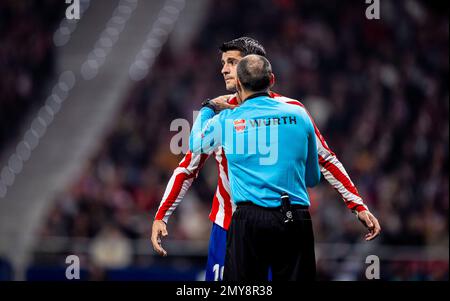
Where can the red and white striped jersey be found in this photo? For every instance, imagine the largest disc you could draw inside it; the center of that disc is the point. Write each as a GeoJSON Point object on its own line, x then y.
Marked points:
{"type": "Point", "coordinates": [223, 207]}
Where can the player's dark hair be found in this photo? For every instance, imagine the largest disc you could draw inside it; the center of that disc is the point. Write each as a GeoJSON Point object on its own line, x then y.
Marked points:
{"type": "Point", "coordinates": [245, 45]}
{"type": "Point", "coordinates": [254, 73]}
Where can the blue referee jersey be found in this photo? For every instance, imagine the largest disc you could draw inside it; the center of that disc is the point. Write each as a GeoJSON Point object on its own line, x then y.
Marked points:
{"type": "Point", "coordinates": [270, 147]}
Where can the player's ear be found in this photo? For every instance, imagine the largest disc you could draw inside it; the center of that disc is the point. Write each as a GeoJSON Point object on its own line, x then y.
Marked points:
{"type": "Point", "coordinates": [272, 80]}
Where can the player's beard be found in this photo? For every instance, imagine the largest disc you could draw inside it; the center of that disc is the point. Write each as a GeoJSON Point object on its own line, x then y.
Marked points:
{"type": "Point", "coordinates": [232, 88]}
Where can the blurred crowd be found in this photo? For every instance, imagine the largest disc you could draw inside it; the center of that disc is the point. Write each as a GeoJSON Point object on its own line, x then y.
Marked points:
{"type": "Point", "coordinates": [376, 88]}
{"type": "Point", "coordinates": [26, 58]}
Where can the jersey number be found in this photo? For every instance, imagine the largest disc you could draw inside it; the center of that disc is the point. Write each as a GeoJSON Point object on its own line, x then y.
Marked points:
{"type": "Point", "coordinates": [218, 272]}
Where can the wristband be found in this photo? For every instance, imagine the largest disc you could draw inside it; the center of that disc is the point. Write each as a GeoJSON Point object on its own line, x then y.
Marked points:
{"type": "Point", "coordinates": [207, 104]}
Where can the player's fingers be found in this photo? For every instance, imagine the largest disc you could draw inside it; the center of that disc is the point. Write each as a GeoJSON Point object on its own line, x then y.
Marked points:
{"type": "Point", "coordinates": [160, 249]}
{"type": "Point", "coordinates": [156, 232]}
{"type": "Point", "coordinates": [156, 243]}
{"type": "Point", "coordinates": [377, 227]}
{"type": "Point", "coordinates": [224, 106]}
{"type": "Point", "coordinates": [368, 237]}
{"type": "Point", "coordinates": [376, 224]}
{"type": "Point", "coordinates": [373, 233]}
{"type": "Point", "coordinates": [221, 99]}
{"type": "Point", "coordinates": [229, 96]}
{"type": "Point", "coordinates": [224, 103]}
{"type": "Point", "coordinates": [154, 239]}
{"type": "Point", "coordinates": [229, 106]}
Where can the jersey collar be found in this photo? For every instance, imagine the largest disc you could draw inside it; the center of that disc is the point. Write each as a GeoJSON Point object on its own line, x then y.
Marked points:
{"type": "Point", "coordinates": [257, 95]}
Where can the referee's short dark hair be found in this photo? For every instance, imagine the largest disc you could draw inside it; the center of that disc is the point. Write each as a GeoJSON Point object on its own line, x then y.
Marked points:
{"type": "Point", "coordinates": [254, 73]}
{"type": "Point", "coordinates": [245, 45]}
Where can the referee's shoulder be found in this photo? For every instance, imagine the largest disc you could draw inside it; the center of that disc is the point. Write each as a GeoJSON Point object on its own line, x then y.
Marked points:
{"type": "Point", "coordinates": [227, 113]}
{"type": "Point", "coordinates": [290, 101]}
{"type": "Point", "coordinates": [292, 104]}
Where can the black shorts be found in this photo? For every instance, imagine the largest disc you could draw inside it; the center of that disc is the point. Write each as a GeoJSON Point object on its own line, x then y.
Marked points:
{"type": "Point", "coordinates": [258, 239]}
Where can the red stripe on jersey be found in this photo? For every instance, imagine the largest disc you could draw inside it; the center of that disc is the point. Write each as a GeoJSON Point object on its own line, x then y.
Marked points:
{"type": "Point", "coordinates": [227, 199]}
{"type": "Point", "coordinates": [171, 198]}
{"type": "Point", "coordinates": [203, 158]}
{"type": "Point", "coordinates": [178, 183]}
{"type": "Point", "coordinates": [336, 172]}
{"type": "Point", "coordinates": [358, 207]}
{"type": "Point", "coordinates": [187, 160]}
{"type": "Point", "coordinates": [223, 193]}
{"type": "Point", "coordinates": [216, 203]}
{"type": "Point", "coordinates": [225, 163]}
{"type": "Point", "coordinates": [343, 179]}
{"type": "Point", "coordinates": [215, 208]}
{"type": "Point", "coordinates": [273, 94]}
{"type": "Point", "coordinates": [295, 102]}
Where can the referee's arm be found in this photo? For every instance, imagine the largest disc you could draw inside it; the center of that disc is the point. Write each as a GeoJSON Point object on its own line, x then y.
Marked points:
{"type": "Point", "coordinates": [206, 134]}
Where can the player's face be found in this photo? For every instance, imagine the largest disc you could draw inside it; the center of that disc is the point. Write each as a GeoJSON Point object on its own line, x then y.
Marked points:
{"type": "Point", "coordinates": [230, 60]}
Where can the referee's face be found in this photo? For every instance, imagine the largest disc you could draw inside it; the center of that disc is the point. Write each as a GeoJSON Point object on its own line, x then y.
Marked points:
{"type": "Point", "coordinates": [230, 60]}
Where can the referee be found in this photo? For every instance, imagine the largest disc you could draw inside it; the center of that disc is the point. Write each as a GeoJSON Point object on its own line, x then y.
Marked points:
{"type": "Point", "coordinates": [271, 227]}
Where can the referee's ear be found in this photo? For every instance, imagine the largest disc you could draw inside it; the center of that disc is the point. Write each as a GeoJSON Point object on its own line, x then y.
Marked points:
{"type": "Point", "coordinates": [239, 90]}
{"type": "Point", "coordinates": [272, 80]}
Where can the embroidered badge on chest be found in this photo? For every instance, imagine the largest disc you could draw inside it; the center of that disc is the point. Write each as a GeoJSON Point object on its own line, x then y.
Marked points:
{"type": "Point", "coordinates": [240, 125]}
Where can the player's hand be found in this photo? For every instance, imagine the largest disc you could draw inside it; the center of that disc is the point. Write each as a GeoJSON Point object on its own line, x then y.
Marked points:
{"type": "Point", "coordinates": [221, 103]}
{"type": "Point", "coordinates": [371, 223]}
{"type": "Point", "coordinates": [159, 229]}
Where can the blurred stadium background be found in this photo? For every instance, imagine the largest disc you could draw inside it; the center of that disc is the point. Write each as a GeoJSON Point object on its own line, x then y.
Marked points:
{"type": "Point", "coordinates": [89, 179]}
